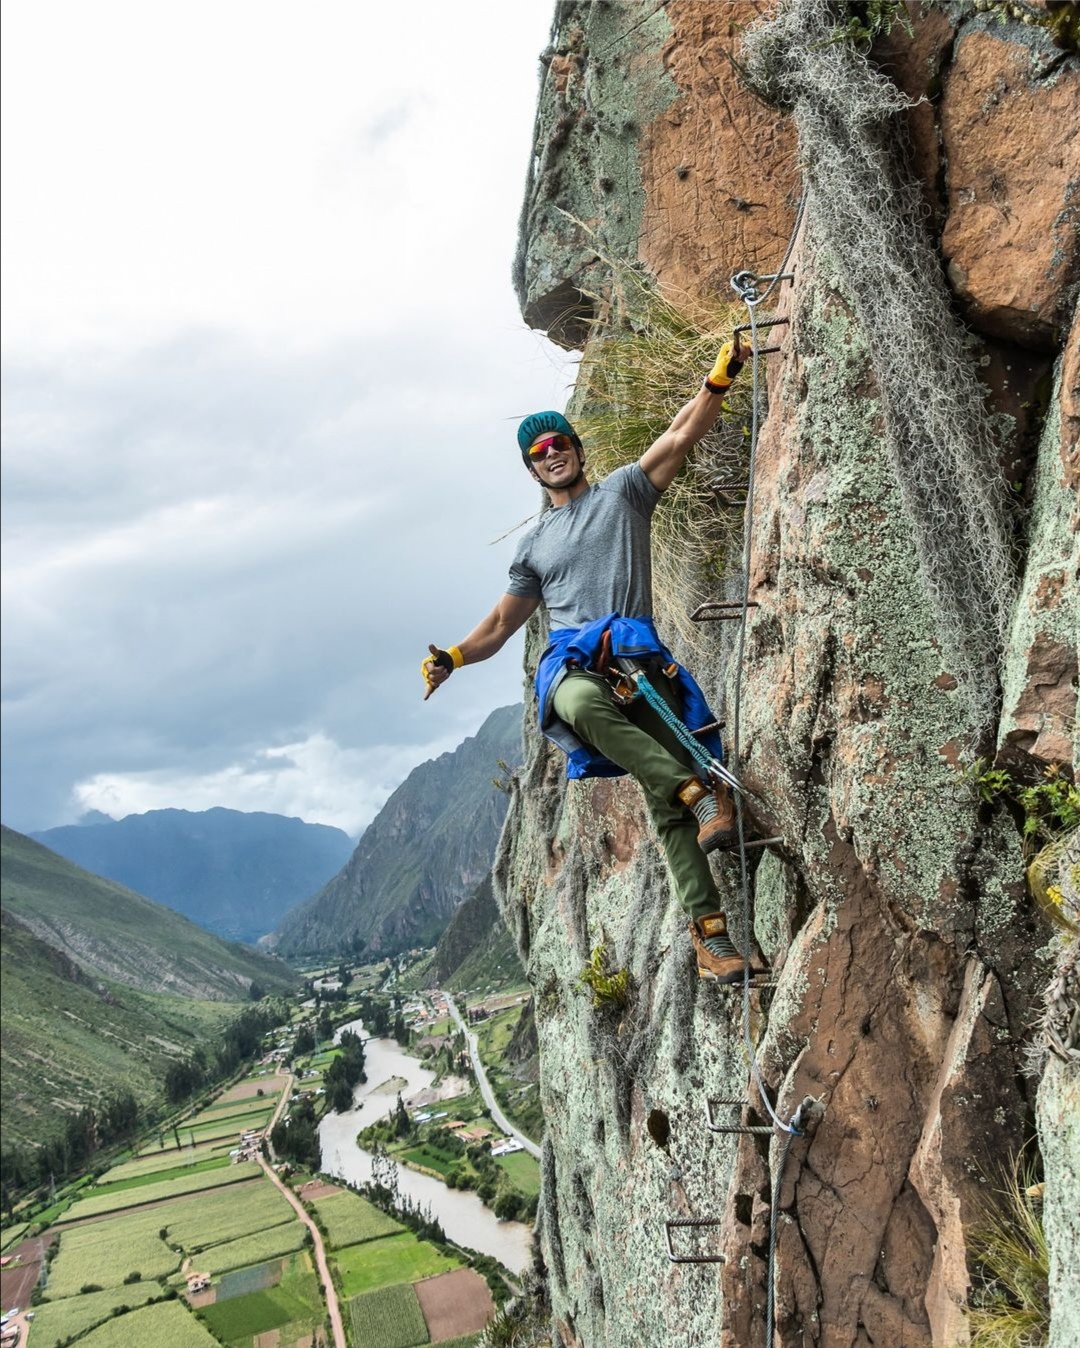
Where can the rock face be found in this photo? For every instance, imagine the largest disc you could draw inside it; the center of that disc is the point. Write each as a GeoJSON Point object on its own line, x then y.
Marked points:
{"type": "Point", "coordinates": [910, 958]}
{"type": "Point", "coordinates": [426, 851]}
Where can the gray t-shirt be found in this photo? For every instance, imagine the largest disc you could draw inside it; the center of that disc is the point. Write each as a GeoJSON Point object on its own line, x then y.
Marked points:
{"type": "Point", "coordinates": [592, 556]}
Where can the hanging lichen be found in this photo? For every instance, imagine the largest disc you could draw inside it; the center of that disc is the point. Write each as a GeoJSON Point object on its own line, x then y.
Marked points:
{"type": "Point", "coordinates": [938, 434]}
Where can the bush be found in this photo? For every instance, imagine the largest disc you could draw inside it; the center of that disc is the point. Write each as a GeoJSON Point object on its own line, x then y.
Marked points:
{"type": "Point", "coordinates": [133, 1276]}
{"type": "Point", "coordinates": [89, 1287]}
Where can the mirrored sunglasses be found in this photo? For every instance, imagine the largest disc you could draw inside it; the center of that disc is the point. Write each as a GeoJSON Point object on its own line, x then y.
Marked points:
{"type": "Point", "coordinates": [561, 444]}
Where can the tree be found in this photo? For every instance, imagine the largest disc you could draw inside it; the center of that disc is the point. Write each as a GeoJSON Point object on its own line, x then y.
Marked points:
{"type": "Point", "coordinates": [402, 1122]}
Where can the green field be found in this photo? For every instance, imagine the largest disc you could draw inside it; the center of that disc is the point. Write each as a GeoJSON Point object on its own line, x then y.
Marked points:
{"type": "Point", "coordinates": [165, 1175]}
{"type": "Point", "coordinates": [168, 1323]}
{"type": "Point", "coordinates": [431, 1157]}
{"type": "Point", "coordinates": [225, 1111]}
{"type": "Point", "coordinates": [349, 1219]}
{"type": "Point", "coordinates": [11, 1235]}
{"type": "Point", "coordinates": [252, 1249]}
{"type": "Point", "coordinates": [378, 1263]}
{"type": "Point", "coordinates": [218, 1217]}
{"type": "Point", "coordinates": [56, 1322]}
{"type": "Point", "coordinates": [390, 1317]}
{"type": "Point", "coordinates": [164, 1161]}
{"type": "Point", "coordinates": [223, 1104]}
{"type": "Point", "coordinates": [105, 1253]}
{"type": "Point", "coordinates": [296, 1298]}
{"type": "Point", "coordinates": [97, 1204]}
{"type": "Point", "coordinates": [523, 1170]}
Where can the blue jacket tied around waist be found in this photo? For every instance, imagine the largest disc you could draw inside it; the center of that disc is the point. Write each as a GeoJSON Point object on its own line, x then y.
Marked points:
{"type": "Point", "coordinates": [632, 638]}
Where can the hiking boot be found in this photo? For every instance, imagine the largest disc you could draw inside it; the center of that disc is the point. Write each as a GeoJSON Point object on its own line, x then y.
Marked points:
{"type": "Point", "coordinates": [717, 958]}
{"type": "Point", "coordinates": [714, 810]}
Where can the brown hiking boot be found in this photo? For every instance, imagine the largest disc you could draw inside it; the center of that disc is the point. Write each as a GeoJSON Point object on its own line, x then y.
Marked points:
{"type": "Point", "coordinates": [715, 812]}
{"type": "Point", "coordinates": [717, 958]}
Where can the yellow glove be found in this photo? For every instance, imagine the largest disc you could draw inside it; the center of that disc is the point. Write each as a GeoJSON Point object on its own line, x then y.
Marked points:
{"type": "Point", "coordinates": [727, 366]}
{"type": "Point", "coordinates": [446, 661]}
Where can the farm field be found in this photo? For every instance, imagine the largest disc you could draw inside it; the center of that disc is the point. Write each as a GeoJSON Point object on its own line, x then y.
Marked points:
{"type": "Point", "coordinates": [97, 1204]}
{"type": "Point", "coordinates": [167, 1322]}
{"type": "Point", "coordinates": [252, 1249]}
{"type": "Point", "coordinates": [102, 1254]}
{"type": "Point", "coordinates": [162, 1161]}
{"type": "Point", "coordinates": [393, 1259]}
{"type": "Point", "coordinates": [254, 1301]}
{"type": "Point", "coordinates": [523, 1169]}
{"type": "Point", "coordinates": [390, 1317]}
{"type": "Point", "coordinates": [57, 1322]}
{"type": "Point", "coordinates": [349, 1219]}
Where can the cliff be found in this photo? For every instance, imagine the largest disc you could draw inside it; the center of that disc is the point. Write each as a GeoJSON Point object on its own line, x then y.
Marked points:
{"type": "Point", "coordinates": [426, 851]}
{"type": "Point", "coordinates": [908, 672]}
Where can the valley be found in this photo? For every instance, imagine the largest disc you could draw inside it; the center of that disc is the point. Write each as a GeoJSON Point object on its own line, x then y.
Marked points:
{"type": "Point", "coordinates": [195, 1236]}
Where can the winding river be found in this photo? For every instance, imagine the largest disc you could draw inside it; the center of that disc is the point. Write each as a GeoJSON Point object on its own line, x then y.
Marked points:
{"type": "Point", "coordinates": [464, 1218]}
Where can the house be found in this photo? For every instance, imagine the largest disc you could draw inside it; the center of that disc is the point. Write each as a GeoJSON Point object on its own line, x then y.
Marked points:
{"type": "Point", "coordinates": [198, 1282]}
{"type": "Point", "coordinates": [475, 1134]}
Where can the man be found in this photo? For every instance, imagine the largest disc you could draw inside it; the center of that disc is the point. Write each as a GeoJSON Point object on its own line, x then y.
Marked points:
{"type": "Point", "coordinates": [588, 560]}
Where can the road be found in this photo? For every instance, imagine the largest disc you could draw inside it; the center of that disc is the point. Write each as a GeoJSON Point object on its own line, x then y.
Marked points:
{"type": "Point", "coordinates": [327, 1281]}
{"type": "Point", "coordinates": [485, 1086]}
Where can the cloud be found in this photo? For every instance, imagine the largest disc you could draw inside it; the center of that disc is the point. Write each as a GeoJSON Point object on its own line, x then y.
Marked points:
{"type": "Point", "coordinates": [261, 560]}
{"type": "Point", "coordinates": [261, 366]}
{"type": "Point", "coordinates": [314, 779]}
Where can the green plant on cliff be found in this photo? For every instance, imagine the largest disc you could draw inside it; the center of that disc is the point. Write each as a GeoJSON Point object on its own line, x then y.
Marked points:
{"type": "Point", "coordinates": [863, 21]}
{"type": "Point", "coordinates": [609, 987]}
{"type": "Point", "coordinates": [1051, 806]}
{"type": "Point", "coordinates": [644, 360]}
{"type": "Point", "coordinates": [1010, 1301]}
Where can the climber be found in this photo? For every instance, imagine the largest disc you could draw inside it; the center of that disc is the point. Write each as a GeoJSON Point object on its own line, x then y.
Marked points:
{"type": "Point", "coordinates": [588, 560]}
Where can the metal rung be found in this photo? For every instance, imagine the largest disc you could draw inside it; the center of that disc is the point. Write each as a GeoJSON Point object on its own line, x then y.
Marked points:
{"type": "Point", "coordinates": [708, 729]}
{"type": "Point", "coordinates": [729, 486]}
{"type": "Point", "coordinates": [714, 1127]}
{"type": "Point", "coordinates": [761, 842]}
{"type": "Point", "coordinates": [716, 610]}
{"type": "Point", "coordinates": [678, 1222]}
{"type": "Point", "coordinates": [762, 322]}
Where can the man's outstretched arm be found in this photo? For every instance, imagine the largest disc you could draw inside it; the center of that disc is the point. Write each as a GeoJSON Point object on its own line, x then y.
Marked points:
{"type": "Point", "coordinates": [490, 635]}
{"type": "Point", "coordinates": [666, 455]}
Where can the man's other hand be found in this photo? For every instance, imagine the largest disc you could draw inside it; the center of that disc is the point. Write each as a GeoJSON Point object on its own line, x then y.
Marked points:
{"type": "Point", "coordinates": [437, 666]}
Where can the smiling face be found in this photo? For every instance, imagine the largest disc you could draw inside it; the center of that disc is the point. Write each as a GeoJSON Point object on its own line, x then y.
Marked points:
{"type": "Point", "coordinates": [556, 462]}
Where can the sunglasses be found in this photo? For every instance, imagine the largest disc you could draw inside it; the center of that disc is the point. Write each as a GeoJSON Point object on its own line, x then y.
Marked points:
{"type": "Point", "coordinates": [561, 444]}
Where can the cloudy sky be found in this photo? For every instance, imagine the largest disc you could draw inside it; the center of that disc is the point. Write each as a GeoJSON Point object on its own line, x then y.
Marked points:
{"type": "Point", "coordinates": [262, 366]}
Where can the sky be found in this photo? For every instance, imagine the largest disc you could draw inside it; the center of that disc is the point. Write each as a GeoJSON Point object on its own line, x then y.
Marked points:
{"type": "Point", "coordinates": [262, 367]}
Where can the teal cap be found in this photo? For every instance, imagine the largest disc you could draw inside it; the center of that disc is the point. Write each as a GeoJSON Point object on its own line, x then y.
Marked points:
{"type": "Point", "coordinates": [544, 423]}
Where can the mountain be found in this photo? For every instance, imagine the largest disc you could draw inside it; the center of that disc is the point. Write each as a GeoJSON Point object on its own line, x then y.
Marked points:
{"type": "Point", "coordinates": [102, 989]}
{"type": "Point", "coordinates": [426, 850]}
{"type": "Point", "coordinates": [476, 950]}
{"type": "Point", "coordinates": [235, 874]}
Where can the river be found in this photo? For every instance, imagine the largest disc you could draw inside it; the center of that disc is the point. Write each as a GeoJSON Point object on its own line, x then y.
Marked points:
{"type": "Point", "coordinates": [462, 1215]}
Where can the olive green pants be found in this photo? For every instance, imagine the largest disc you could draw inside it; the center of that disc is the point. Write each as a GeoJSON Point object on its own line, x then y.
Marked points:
{"type": "Point", "coordinates": [638, 739]}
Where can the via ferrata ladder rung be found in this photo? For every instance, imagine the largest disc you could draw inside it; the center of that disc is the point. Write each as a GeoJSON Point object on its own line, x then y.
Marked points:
{"type": "Point", "coordinates": [750, 1128]}
{"type": "Point", "coordinates": [716, 610]}
{"type": "Point", "coordinates": [681, 1223]}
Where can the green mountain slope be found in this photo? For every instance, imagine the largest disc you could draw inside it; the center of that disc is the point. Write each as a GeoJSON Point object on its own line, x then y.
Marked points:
{"type": "Point", "coordinates": [122, 936]}
{"type": "Point", "coordinates": [427, 849]}
{"type": "Point", "coordinates": [476, 950]}
{"type": "Point", "coordinates": [71, 1039]}
{"type": "Point", "coordinates": [100, 990]}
